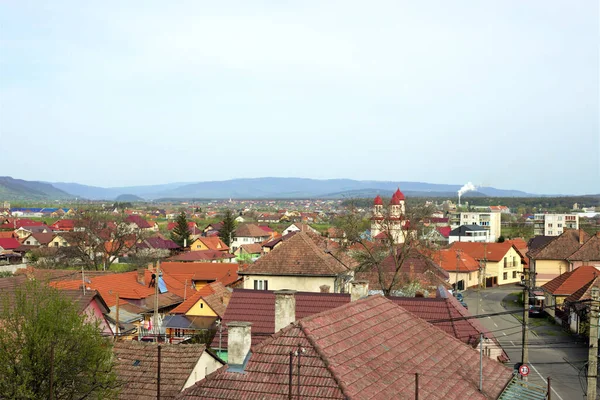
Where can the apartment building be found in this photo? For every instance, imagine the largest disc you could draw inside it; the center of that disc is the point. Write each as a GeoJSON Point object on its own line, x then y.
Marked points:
{"type": "Point", "coordinates": [554, 224]}
{"type": "Point", "coordinates": [491, 221]}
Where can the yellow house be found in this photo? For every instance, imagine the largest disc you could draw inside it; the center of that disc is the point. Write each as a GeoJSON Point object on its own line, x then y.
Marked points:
{"type": "Point", "coordinates": [208, 243]}
{"type": "Point", "coordinates": [60, 240]}
{"type": "Point", "coordinates": [501, 263]}
{"type": "Point", "coordinates": [551, 259]}
{"type": "Point", "coordinates": [563, 286]}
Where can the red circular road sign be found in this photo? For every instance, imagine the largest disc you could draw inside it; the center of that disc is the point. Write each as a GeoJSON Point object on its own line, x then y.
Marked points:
{"type": "Point", "coordinates": [524, 370]}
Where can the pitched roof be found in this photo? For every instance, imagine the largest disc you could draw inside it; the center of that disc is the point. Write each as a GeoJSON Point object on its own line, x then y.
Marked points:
{"type": "Point", "coordinates": [139, 221]}
{"type": "Point", "coordinates": [297, 256]}
{"type": "Point", "coordinates": [214, 294]}
{"type": "Point", "coordinates": [584, 293]}
{"type": "Point", "coordinates": [226, 273]}
{"type": "Point", "coordinates": [251, 248]}
{"type": "Point", "coordinates": [202, 255]}
{"type": "Point", "coordinates": [250, 230]}
{"type": "Point", "coordinates": [258, 307]}
{"type": "Point", "coordinates": [378, 201]}
{"type": "Point", "coordinates": [43, 238]}
{"type": "Point", "coordinates": [370, 348]}
{"type": "Point", "coordinates": [213, 243]}
{"type": "Point", "coordinates": [444, 231]}
{"type": "Point", "coordinates": [561, 247]}
{"type": "Point", "coordinates": [157, 242]}
{"type": "Point", "coordinates": [275, 241]}
{"type": "Point", "coordinates": [589, 251]}
{"type": "Point", "coordinates": [487, 251]}
{"type": "Point", "coordinates": [9, 243]}
{"type": "Point", "coordinates": [453, 260]}
{"type": "Point", "coordinates": [569, 282]}
{"type": "Point", "coordinates": [463, 229]}
{"type": "Point", "coordinates": [136, 368]}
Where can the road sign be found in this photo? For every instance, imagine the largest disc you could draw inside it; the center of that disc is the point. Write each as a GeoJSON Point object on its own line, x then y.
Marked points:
{"type": "Point", "coordinates": [524, 370]}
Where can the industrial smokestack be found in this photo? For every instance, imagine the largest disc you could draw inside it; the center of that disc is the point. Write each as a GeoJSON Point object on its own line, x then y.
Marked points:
{"type": "Point", "coordinates": [468, 187]}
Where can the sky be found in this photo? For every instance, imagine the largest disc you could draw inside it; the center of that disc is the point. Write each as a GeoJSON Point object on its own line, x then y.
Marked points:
{"type": "Point", "coordinates": [500, 93]}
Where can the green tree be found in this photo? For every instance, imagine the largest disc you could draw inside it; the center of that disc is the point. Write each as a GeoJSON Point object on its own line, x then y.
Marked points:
{"type": "Point", "coordinates": [227, 231]}
{"type": "Point", "coordinates": [49, 350]}
{"type": "Point", "coordinates": [181, 232]}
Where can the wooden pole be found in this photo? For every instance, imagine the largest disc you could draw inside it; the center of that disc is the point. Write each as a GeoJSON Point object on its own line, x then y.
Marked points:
{"type": "Point", "coordinates": [481, 362]}
{"type": "Point", "coordinates": [525, 338]}
{"type": "Point", "coordinates": [158, 375]}
{"type": "Point", "coordinates": [417, 386]}
{"type": "Point", "coordinates": [117, 319]}
{"type": "Point", "coordinates": [592, 374]}
{"type": "Point", "coordinates": [549, 390]}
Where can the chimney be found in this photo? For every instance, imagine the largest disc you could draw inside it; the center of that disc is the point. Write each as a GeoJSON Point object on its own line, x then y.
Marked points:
{"type": "Point", "coordinates": [239, 340]}
{"type": "Point", "coordinates": [285, 308]}
{"type": "Point", "coordinates": [581, 236]}
{"type": "Point", "coordinates": [141, 276]}
{"type": "Point", "coordinates": [359, 290]}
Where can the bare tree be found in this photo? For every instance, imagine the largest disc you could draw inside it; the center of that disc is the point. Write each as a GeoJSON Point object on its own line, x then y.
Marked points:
{"type": "Point", "coordinates": [397, 244]}
{"type": "Point", "coordinates": [99, 239]}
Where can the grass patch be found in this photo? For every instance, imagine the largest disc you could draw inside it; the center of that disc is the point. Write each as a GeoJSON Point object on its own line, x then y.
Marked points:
{"type": "Point", "coordinates": [121, 267]}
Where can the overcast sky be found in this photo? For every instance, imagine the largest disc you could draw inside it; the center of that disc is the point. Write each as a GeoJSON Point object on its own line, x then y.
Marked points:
{"type": "Point", "coordinates": [501, 93]}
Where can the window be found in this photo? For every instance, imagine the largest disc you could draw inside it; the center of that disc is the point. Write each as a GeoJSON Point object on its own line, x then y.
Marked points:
{"type": "Point", "coordinates": [514, 274]}
{"type": "Point", "coordinates": [549, 225]}
{"type": "Point", "coordinates": [559, 225]}
{"type": "Point", "coordinates": [261, 285]}
{"type": "Point", "coordinates": [505, 276]}
{"type": "Point", "coordinates": [201, 305]}
{"type": "Point", "coordinates": [549, 233]}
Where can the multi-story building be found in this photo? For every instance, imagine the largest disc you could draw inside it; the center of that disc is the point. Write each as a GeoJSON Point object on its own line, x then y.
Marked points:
{"type": "Point", "coordinates": [554, 224]}
{"type": "Point", "coordinates": [491, 221]}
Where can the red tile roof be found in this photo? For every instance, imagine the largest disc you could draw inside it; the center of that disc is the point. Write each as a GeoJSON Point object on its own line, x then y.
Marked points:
{"type": "Point", "coordinates": [378, 201]}
{"type": "Point", "coordinates": [297, 256]}
{"type": "Point", "coordinates": [226, 273]}
{"type": "Point", "coordinates": [453, 260]}
{"type": "Point", "coordinates": [589, 251]}
{"type": "Point", "coordinates": [561, 247]}
{"type": "Point", "coordinates": [570, 282]}
{"type": "Point", "coordinates": [139, 221]}
{"type": "Point", "coordinates": [63, 225]}
{"type": "Point", "coordinates": [214, 243]}
{"type": "Point", "coordinates": [370, 348]}
{"type": "Point", "coordinates": [9, 243]}
{"type": "Point", "coordinates": [444, 231]}
{"type": "Point", "coordinates": [488, 251]}
{"type": "Point", "coordinates": [202, 255]}
{"type": "Point", "coordinates": [250, 230]}
{"type": "Point", "coordinates": [172, 225]}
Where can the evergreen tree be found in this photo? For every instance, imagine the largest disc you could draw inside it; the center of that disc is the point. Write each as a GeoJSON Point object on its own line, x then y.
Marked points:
{"type": "Point", "coordinates": [227, 231]}
{"type": "Point", "coordinates": [181, 232]}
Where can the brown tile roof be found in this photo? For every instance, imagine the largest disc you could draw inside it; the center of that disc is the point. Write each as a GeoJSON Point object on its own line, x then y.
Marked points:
{"type": "Point", "coordinates": [250, 230]}
{"type": "Point", "coordinates": [561, 247]}
{"type": "Point", "coordinates": [43, 238]}
{"type": "Point", "coordinates": [136, 368]}
{"type": "Point", "coordinates": [589, 251]}
{"type": "Point", "coordinates": [370, 348]}
{"type": "Point", "coordinates": [251, 248]}
{"type": "Point", "coordinates": [569, 282]}
{"type": "Point", "coordinates": [297, 256]}
{"type": "Point", "coordinates": [258, 307]}
{"type": "Point", "coordinates": [271, 243]}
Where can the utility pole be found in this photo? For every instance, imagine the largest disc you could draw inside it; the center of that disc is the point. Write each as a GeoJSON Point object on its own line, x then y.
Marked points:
{"type": "Point", "coordinates": [525, 338]}
{"type": "Point", "coordinates": [51, 372]}
{"type": "Point", "coordinates": [592, 371]}
{"type": "Point", "coordinates": [456, 279]}
{"type": "Point", "coordinates": [157, 272]}
{"type": "Point", "coordinates": [481, 362]}
{"type": "Point", "coordinates": [158, 375]}
{"type": "Point", "coordinates": [117, 321]}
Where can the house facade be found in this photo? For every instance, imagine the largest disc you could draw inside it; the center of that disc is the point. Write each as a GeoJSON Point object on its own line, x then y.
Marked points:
{"type": "Point", "coordinates": [491, 221]}
{"type": "Point", "coordinates": [554, 224]}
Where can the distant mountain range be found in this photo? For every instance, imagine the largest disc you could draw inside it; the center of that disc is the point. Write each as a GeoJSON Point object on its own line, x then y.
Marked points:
{"type": "Point", "coordinates": [255, 188]}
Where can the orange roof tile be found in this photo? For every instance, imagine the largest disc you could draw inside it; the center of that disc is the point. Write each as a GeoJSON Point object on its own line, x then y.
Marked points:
{"type": "Point", "coordinates": [447, 259]}
{"type": "Point", "coordinates": [570, 282]}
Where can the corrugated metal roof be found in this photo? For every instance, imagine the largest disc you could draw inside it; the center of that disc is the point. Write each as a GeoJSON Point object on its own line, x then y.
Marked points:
{"type": "Point", "coordinates": [523, 390]}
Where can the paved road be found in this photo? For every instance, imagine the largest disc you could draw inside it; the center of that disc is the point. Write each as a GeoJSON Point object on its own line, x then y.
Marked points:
{"type": "Point", "coordinates": [552, 352]}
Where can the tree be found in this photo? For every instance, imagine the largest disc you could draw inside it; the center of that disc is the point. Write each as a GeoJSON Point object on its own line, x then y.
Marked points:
{"type": "Point", "coordinates": [99, 240]}
{"type": "Point", "coordinates": [49, 350]}
{"type": "Point", "coordinates": [227, 231]}
{"type": "Point", "coordinates": [181, 232]}
{"type": "Point", "coordinates": [400, 242]}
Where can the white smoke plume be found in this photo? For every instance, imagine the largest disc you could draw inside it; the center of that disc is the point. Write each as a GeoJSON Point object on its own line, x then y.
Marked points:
{"type": "Point", "coordinates": [468, 187]}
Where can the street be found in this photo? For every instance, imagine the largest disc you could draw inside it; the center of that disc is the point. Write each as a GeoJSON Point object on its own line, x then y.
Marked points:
{"type": "Point", "coordinates": [552, 352]}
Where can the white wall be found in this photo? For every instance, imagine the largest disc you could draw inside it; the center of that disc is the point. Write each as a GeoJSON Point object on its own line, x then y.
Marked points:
{"type": "Point", "coordinates": [299, 283]}
{"type": "Point", "coordinates": [206, 365]}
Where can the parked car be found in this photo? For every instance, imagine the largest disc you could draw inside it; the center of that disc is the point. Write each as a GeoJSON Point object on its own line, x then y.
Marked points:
{"type": "Point", "coordinates": [459, 296]}
{"type": "Point", "coordinates": [536, 311]}
{"type": "Point", "coordinates": [464, 304]}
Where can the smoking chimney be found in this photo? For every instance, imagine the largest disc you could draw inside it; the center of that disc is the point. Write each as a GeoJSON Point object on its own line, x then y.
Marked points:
{"type": "Point", "coordinates": [285, 308]}
{"type": "Point", "coordinates": [239, 340]}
